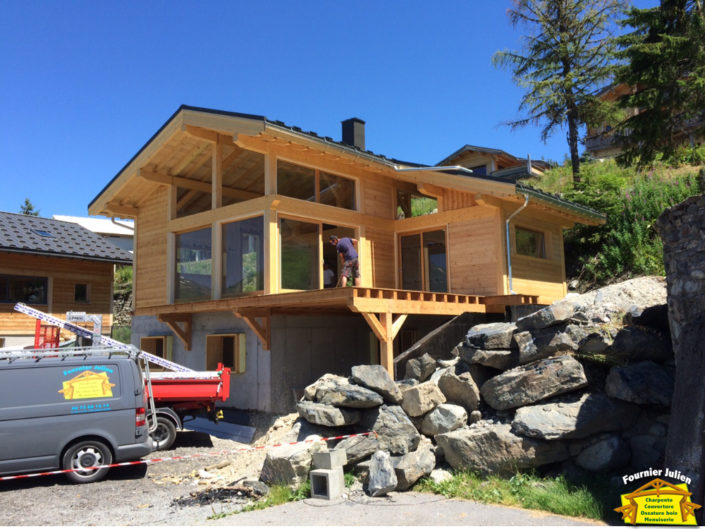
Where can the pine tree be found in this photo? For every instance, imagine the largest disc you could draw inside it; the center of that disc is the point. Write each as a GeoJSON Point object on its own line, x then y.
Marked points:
{"type": "Point", "coordinates": [567, 55]}
{"type": "Point", "coordinates": [665, 65]}
{"type": "Point", "coordinates": [28, 208]}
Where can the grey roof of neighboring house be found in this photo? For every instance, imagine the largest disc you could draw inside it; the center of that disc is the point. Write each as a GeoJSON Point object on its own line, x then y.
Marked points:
{"type": "Point", "coordinates": [40, 236]}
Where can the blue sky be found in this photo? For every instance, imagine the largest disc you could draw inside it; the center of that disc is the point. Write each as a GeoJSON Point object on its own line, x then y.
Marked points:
{"type": "Point", "coordinates": [86, 83]}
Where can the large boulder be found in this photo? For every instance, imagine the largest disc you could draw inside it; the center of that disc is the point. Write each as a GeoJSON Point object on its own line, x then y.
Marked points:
{"type": "Point", "coordinates": [634, 343]}
{"type": "Point", "coordinates": [444, 418]}
{"type": "Point", "coordinates": [421, 399]}
{"type": "Point", "coordinates": [642, 383]}
{"type": "Point", "coordinates": [382, 478]}
{"type": "Point", "coordinates": [555, 314]}
{"type": "Point", "coordinates": [412, 467]}
{"type": "Point", "coordinates": [607, 453]}
{"type": "Point", "coordinates": [323, 383]}
{"type": "Point", "coordinates": [395, 431]}
{"type": "Point", "coordinates": [460, 389]}
{"type": "Point", "coordinates": [290, 464]}
{"type": "Point", "coordinates": [343, 393]}
{"type": "Point", "coordinates": [574, 417]}
{"type": "Point", "coordinates": [377, 379]}
{"type": "Point", "coordinates": [358, 448]}
{"type": "Point", "coordinates": [495, 449]}
{"type": "Point", "coordinates": [496, 358]}
{"type": "Point", "coordinates": [491, 335]}
{"type": "Point", "coordinates": [420, 368]}
{"type": "Point", "coordinates": [533, 382]}
{"type": "Point", "coordinates": [326, 415]}
{"type": "Point", "coordinates": [534, 345]}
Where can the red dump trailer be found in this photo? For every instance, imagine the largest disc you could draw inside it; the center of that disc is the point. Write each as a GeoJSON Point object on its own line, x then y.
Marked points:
{"type": "Point", "coordinates": [181, 394]}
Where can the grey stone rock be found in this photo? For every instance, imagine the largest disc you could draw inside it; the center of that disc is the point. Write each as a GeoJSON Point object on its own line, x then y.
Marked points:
{"type": "Point", "coordinates": [491, 335]}
{"type": "Point", "coordinates": [395, 431]}
{"type": "Point", "coordinates": [412, 467]}
{"type": "Point", "coordinates": [533, 382]}
{"type": "Point", "coordinates": [377, 379]}
{"type": "Point", "coordinates": [382, 478]}
{"type": "Point", "coordinates": [496, 358]}
{"type": "Point", "coordinates": [421, 399]}
{"type": "Point", "coordinates": [574, 417]}
{"type": "Point", "coordinates": [642, 383]}
{"type": "Point", "coordinates": [325, 382]}
{"type": "Point", "coordinates": [439, 475]}
{"type": "Point", "coordinates": [592, 339]}
{"type": "Point", "coordinates": [542, 343]}
{"type": "Point", "coordinates": [343, 393]}
{"type": "Point", "coordinates": [290, 464]}
{"type": "Point", "coordinates": [444, 418]}
{"type": "Point", "coordinates": [326, 415]}
{"type": "Point", "coordinates": [474, 417]}
{"type": "Point", "coordinates": [608, 453]}
{"type": "Point", "coordinates": [460, 389]}
{"type": "Point", "coordinates": [647, 450]}
{"type": "Point", "coordinates": [655, 317]}
{"type": "Point", "coordinates": [495, 449]}
{"type": "Point", "coordinates": [358, 448]}
{"type": "Point", "coordinates": [420, 368]}
{"type": "Point", "coordinates": [633, 343]}
{"type": "Point", "coordinates": [554, 314]}
{"type": "Point", "coordinates": [406, 383]}
{"type": "Point", "coordinates": [258, 488]}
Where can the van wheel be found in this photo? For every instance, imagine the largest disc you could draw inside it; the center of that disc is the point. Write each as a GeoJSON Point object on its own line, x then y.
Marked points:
{"type": "Point", "coordinates": [85, 454]}
{"type": "Point", "coordinates": [164, 434]}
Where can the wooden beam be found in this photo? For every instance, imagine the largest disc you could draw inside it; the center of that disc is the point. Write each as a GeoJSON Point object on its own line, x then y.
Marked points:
{"type": "Point", "coordinates": [121, 209]}
{"type": "Point", "coordinates": [261, 328]}
{"type": "Point", "coordinates": [173, 320]}
{"type": "Point", "coordinates": [217, 177]}
{"type": "Point", "coordinates": [187, 183]}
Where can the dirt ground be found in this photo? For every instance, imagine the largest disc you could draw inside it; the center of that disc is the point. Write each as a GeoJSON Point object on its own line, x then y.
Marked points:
{"type": "Point", "coordinates": [200, 490]}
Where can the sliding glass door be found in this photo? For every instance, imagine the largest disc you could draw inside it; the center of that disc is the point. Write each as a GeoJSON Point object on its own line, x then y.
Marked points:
{"type": "Point", "coordinates": [424, 261]}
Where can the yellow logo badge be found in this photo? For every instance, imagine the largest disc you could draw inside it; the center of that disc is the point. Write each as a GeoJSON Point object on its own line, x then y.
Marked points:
{"type": "Point", "coordinates": [87, 385]}
{"type": "Point", "coordinates": [659, 502]}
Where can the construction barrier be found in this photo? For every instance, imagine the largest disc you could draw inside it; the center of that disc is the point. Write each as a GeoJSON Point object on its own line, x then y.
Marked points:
{"type": "Point", "coordinates": [181, 458]}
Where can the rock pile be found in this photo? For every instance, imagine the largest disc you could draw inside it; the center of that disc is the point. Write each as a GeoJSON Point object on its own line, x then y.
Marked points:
{"type": "Point", "coordinates": [586, 381]}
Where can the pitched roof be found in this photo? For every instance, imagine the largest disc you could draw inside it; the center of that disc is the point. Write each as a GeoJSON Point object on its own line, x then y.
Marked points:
{"type": "Point", "coordinates": [37, 235]}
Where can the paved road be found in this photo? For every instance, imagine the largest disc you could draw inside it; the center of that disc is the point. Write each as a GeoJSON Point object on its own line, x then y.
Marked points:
{"type": "Point", "coordinates": [408, 508]}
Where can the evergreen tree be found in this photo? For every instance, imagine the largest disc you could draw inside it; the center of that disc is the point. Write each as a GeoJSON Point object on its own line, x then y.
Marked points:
{"type": "Point", "coordinates": [567, 54]}
{"type": "Point", "coordinates": [28, 208]}
{"type": "Point", "coordinates": [665, 56]}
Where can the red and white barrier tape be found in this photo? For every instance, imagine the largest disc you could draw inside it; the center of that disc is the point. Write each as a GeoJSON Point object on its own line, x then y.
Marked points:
{"type": "Point", "coordinates": [179, 458]}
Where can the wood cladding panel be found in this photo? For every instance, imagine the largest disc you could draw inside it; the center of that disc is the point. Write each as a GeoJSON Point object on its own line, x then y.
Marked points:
{"type": "Point", "coordinates": [456, 200]}
{"type": "Point", "coordinates": [474, 255]}
{"type": "Point", "coordinates": [377, 198]}
{"type": "Point", "coordinates": [64, 274]}
{"type": "Point", "coordinates": [151, 250]}
{"type": "Point", "coordinates": [382, 256]}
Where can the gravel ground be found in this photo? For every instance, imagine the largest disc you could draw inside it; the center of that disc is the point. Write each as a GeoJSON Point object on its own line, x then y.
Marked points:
{"type": "Point", "coordinates": [198, 491]}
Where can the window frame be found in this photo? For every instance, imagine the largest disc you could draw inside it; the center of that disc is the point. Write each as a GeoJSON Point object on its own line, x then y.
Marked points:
{"type": "Point", "coordinates": [422, 271]}
{"type": "Point", "coordinates": [542, 252]}
{"type": "Point", "coordinates": [5, 296]}
{"type": "Point", "coordinates": [317, 183]}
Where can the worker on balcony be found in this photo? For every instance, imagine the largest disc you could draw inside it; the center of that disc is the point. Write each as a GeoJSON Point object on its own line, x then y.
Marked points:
{"type": "Point", "coordinates": [348, 258]}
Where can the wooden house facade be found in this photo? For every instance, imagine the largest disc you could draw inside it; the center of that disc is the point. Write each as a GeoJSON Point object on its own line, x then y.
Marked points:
{"type": "Point", "coordinates": [56, 267]}
{"type": "Point", "coordinates": [232, 218]}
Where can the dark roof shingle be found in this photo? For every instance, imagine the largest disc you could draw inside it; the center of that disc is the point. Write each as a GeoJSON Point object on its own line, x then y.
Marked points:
{"type": "Point", "coordinates": [37, 235]}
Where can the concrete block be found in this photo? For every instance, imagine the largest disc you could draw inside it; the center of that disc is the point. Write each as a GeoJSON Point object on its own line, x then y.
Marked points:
{"type": "Point", "coordinates": [327, 484]}
{"type": "Point", "coordinates": [330, 460]}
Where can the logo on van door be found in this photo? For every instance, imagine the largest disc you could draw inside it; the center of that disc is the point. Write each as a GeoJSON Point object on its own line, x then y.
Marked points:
{"type": "Point", "coordinates": [88, 385]}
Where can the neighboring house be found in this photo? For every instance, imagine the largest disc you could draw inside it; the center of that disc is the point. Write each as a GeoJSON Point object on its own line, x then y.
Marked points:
{"type": "Point", "coordinates": [496, 162]}
{"type": "Point", "coordinates": [233, 213]}
{"type": "Point", "coordinates": [118, 232]}
{"type": "Point", "coordinates": [602, 142]}
{"type": "Point", "coordinates": [56, 267]}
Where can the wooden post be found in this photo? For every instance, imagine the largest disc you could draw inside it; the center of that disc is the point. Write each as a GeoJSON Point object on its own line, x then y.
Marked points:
{"type": "Point", "coordinates": [385, 329]}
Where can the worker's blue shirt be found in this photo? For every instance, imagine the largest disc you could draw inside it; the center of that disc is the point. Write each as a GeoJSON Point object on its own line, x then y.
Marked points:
{"type": "Point", "coordinates": [345, 247]}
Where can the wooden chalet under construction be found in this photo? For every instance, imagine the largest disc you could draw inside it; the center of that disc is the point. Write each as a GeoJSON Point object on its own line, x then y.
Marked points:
{"type": "Point", "coordinates": [233, 213]}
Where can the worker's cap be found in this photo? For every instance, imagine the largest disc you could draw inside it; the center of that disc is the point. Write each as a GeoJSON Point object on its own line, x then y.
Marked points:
{"type": "Point", "coordinates": [333, 238]}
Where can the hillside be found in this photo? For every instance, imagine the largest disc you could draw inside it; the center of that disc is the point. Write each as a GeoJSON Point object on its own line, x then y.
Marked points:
{"type": "Point", "coordinates": [627, 245]}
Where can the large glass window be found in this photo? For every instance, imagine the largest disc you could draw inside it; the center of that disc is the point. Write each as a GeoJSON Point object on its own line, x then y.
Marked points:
{"type": "Point", "coordinates": [243, 256]}
{"type": "Point", "coordinates": [315, 186]}
{"type": "Point", "coordinates": [423, 261]}
{"type": "Point", "coordinates": [296, 181]}
{"type": "Point", "coordinates": [243, 175]}
{"type": "Point", "coordinates": [530, 242]}
{"type": "Point", "coordinates": [25, 289]}
{"type": "Point", "coordinates": [336, 191]}
{"type": "Point", "coordinates": [300, 262]}
{"type": "Point", "coordinates": [193, 265]}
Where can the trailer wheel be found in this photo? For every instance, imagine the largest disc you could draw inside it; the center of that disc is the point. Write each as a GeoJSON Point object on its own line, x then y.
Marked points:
{"type": "Point", "coordinates": [164, 435]}
{"type": "Point", "coordinates": [85, 454]}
